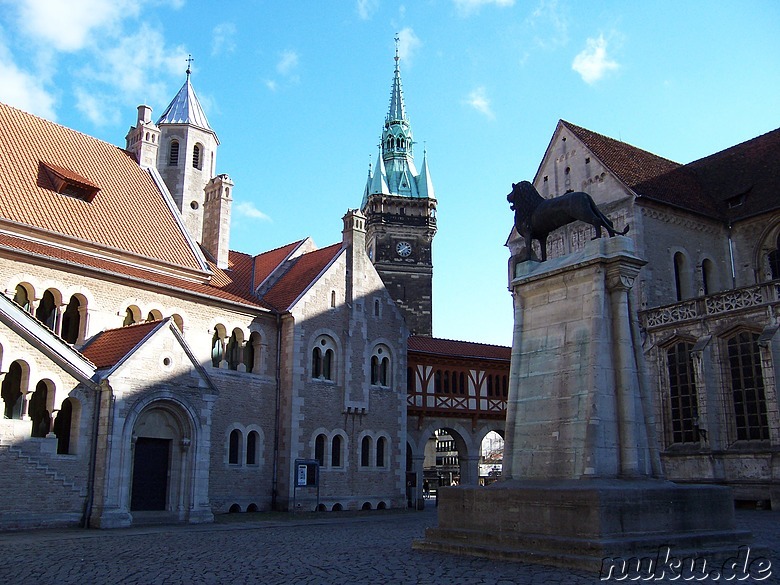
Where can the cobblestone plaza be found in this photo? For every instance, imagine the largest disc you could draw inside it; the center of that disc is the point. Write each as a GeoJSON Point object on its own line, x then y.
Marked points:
{"type": "Point", "coordinates": [331, 548]}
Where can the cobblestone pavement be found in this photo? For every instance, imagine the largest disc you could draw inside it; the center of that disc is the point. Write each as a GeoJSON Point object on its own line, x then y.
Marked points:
{"type": "Point", "coordinates": [371, 547]}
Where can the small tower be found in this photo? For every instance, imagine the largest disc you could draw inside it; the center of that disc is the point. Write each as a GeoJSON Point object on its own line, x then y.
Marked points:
{"type": "Point", "coordinates": [400, 208]}
{"type": "Point", "coordinates": [143, 139]}
{"type": "Point", "coordinates": [216, 218]}
{"type": "Point", "coordinates": [188, 155]}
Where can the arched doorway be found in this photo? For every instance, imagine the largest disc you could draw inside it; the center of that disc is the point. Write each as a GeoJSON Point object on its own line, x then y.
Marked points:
{"type": "Point", "coordinates": [161, 440]}
{"type": "Point", "coordinates": [491, 457]}
{"type": "Point", "coordinates": [445, 455]}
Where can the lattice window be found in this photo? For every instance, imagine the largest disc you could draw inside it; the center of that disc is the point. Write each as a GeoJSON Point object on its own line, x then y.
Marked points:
{"type": "Point", "coordinates": [747, 387]}
{"type": "Point", "coordinates": [683, 407]}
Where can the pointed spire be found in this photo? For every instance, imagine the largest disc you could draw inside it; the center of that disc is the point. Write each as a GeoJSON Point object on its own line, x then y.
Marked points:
{"type": "Point", "coordinates": [424, 183]}
{"type": "Point", "coordinates": [185, 107]}
{"type": "Point", "coordinates": [397, 111]}
{"type": "Point", "coordinates": [379, 181]}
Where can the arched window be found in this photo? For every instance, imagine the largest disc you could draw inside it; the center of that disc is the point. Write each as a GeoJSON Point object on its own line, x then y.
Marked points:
{"type": "Point", "coordinates": [22, 297]}
{"type": "Point", "coordinates": [12, 392]}
{"type": "Point", "coordinates": [249, 353]}
{"type": "Point", "coordinates": [173, 154]}
{"type": "Point", "coordinates": [63, 426]}
{"type": "Point", "coordinates": [365, 452]}
{"type": "Point", "coordinates": [71, 321]}
{"type": "Point", "coordinates": [747, 387]}
{"type": "Point", "coordinates": [319, 449]}
{"type": "Point", "coordinates": [708, 277]}
{"type": "Point", "coordinates": [774, 260]}
{"type": "Point", "coordinates": [335, 451]}
{"type": "Point", "coordinates": [683, 406]}
{"type": "Point", "coordinates": [47, 310]}
{"type": "Point", "coordinates": [234, 447]}
{"type": "Point", "coordinates": [38, 410]}
{"type": "Point", "coordinates": [380, 451]}
{"type": "Point", "coordinates": [197, 156]}
{"type": "Point", "coordinates": [217, 351]}
{"type": "Point", "coordinates": [380, 366]}
{"type": "Point", "coordinates": [323, 359]}
{"type": "Point", "coordinates": [233, 350]}
{"type": "Point", "coordinates": [682, 277]}
{"type": "Point", "coordinates": [252, 443]}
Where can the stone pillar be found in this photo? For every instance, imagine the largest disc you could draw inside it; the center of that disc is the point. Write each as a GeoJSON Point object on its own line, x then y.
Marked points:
{"type": "Point", "coordinates": [469, 470]}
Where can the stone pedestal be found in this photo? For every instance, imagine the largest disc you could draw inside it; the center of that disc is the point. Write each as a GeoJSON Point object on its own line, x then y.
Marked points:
{"type": "Point", "coordinates": [582, 475]}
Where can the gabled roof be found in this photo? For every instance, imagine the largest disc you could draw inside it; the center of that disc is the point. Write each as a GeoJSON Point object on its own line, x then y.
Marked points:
{"type": "Point", "coordinates": [302, 273]}
{"type": "Point", "coordinates": [732, 184]}
{"type": "Point", "coordinates": [632, 165]}
{"type": "Point", "coordinates": [457, 349]}
{"type": "Point", "coordinates": [107, 348]}
{"type": "Point", "coordinates": [128, 215]}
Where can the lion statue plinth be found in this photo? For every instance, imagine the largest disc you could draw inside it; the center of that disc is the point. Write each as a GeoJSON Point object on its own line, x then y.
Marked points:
{"type": "Point", "coordinates": [536, 217]}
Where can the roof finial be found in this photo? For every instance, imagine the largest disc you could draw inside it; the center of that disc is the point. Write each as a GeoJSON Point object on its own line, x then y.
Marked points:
{"type": "Point", "coordinates": [397, 40]}
{"type": "Point", "coordinates": [189, 65]}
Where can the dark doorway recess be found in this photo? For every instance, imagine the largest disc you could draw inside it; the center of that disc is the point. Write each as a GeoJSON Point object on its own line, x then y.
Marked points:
{"type": "Point", "coordinates": [150, 474]}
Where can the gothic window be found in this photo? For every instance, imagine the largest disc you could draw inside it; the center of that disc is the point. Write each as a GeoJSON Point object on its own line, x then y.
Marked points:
{"type": "Point", "coordinates": [365, 452]}
{"type": "Point", "coordinates": [234, 447]}
{"type": "Point", "coordinates": [336, 455]}
{"type": "Point", "coordinates": [380, 367]}
{"type": "Point", "coordinates": [747, 387]}
{"type": "Point", "coordinates": [71, 321]}
{"type": "Point", "coordinates": [683, 407]}
{"type": "Point", "coordinates": [47, 310]}
{"type": "Point", "coordinates": [381, 443]}
{"type": "Point", "coordinates": [197, 156]}
{"type": "Point", "coordinates": [322, 359]}
{"type": "Point", "coordinates": [252, 442]}
{"type": "Point", "coordinates": [12, 392]}
{"type": "Point", "coordinates": [319, 449]}
{"type": "Point", "coordinates": [173, 154]}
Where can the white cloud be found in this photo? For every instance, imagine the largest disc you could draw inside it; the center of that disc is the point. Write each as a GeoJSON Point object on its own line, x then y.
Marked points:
{"type": "Point", "coordinates": [592, 63]}
{"type": "Point", "coordinates": [222, 38]}
{"type": "Point", "coordinates": [287, 63]}
{"type": "Point", "coordinates": [271, 84]}
{"type": "Point", "coordinates": [408, 43]}
{"type": "Point", "coordinates": [100, 110]}
{"type": "Point", "coordinates": [468, 7]}
{"type": "Point", "coordinates": [367, 8]}
{"type": "Point", "coordinates": [248, 210]}
{"type": "Point", "coordinates": [68, 26]}
{"type": "Point", "coordinates": [549, 20]}
{"type": "Point", "coordinates": [478, 100]}
{"type": "Point", "coordinates": [23, 90]}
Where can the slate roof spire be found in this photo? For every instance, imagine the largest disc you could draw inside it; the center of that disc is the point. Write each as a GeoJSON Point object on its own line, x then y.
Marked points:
{"type": "Point", "coordinates": [185, 107]}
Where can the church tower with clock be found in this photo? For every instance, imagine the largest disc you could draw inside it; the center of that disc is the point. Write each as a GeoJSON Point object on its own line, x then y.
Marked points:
{"type": "Point", "coordinates": [400, 208]}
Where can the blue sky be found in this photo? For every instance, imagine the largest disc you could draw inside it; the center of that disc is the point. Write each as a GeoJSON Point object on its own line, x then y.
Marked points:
{"type": "Point", "coordinates": [297, 92]}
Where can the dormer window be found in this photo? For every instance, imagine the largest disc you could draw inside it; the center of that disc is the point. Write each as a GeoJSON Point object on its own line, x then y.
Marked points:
{"type": "Point", "coordinates": [66, 182]}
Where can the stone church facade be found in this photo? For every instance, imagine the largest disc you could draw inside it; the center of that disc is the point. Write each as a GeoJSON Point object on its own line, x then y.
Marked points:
{"type": "Point", "coordinates": [708, 300]}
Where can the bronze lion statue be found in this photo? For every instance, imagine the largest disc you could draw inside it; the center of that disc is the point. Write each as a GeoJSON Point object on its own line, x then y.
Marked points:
{"type": "Point", "coordinates": [536, 217]}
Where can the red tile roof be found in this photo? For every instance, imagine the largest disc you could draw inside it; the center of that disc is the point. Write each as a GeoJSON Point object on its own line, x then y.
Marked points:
{"type": "Point", "coordinates": [459, 349]}
{"type": "Point", "coordinates": [267, 262]}
{"type": "Point", "coordinates": [107, 348]}
{"type": "Point", "coordinates": [128, 214]}
{"type": "Point", "coordinates": [299, 277]}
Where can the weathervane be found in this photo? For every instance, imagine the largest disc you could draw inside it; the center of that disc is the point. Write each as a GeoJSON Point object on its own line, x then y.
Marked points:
{"type": "Point", "coordinates": [189, 64]}
{"type": "Point", "coordinates": [397, 40]}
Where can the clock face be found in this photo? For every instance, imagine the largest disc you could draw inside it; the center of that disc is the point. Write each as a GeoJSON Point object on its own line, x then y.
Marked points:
{"type": "Point", "coordinates": [403, 249]}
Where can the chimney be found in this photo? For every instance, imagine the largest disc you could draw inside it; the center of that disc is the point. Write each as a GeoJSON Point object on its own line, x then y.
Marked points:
{"type": "Point", "coordinates": [143, 139]}
{"type": "Point", "coordinates": [216, 219]}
